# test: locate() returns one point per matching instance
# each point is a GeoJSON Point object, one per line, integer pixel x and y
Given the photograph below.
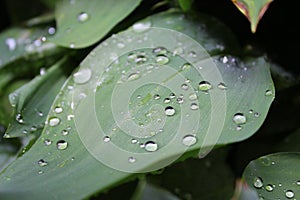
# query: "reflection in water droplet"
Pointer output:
{"type": "Point", "coordinates": [82, 17]}
{"type": "Point", "coordinates": [189, 140]}
{"type": "Point", "coordinates": [151, 146]}
{"type": "Point", "coordinates": [141, 26]}
{"type": "Point", "coordinates": [58, 109]}
{"type": "Point", "coordinates": [258, 182]}
{"type": "Point", "coordinates": [82, 76]}
{"type": "Point", "coordinates": [47, 142]}
{"type": "Point", "coordinates": [184, 86]}
{"type": "Point", "coordinates": [42, 163]}
{"type": "Point", "coordinates": [131, 159]}
{"type": "Point", "coordinates": [170, 111]}
{"type": "Point", "coordinates": [54, 121]}
{"type": "Point", "coordinates": [194, 106]}
{"type": "Point", "coordinates": [222, 86]}
{"type": "Point", "coordinates": [106, 139]}
{"type": "Point", "coordinates": [268, 92]}
{"type": "Point", "coordinates": [239, 118]}
{"type": "Point", "coordinates": [133, 76]}
{"type": "Point", "coordinates": [289, 194]}
{"type": "Point", "coordinates": [161, 60]}
{"type": "Point", "coordinates": [61, 144]}
{"type": "Point", "coordinates": [204, 86]}
{"type": "Point", "coordinates": [269, 188]}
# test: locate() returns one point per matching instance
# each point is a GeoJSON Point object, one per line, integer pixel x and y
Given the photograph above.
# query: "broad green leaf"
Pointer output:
{"type": "Point", "coordinates": [81, 24]}
{"type": "Point", "coordinates": [185, 4]}
{"type": "Point", "coordinates": [8, 151]}
{"type": "Point", "coordinates": [136, 70]}
{"type": "Point", "coordinates": [31, 102]}
{"type": "Point", "coordinates": [275, 176]}
{"type": "Point", "coordinates": [253, 10]}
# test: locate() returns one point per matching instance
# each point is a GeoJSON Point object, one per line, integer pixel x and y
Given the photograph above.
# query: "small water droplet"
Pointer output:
{"type": "Point", "coordinates": [204, 86]}
{"type": "Point", "coordinates": [151, 146]}
{"type": "Point", "coordinates": [131, 159]}
{"type": "Point", "coordinates": [186, 66]}
{"type": "Point", "coordinates": [47, 142]}
{"type": "Point", "coordinates": [51, 30]}
{"type": "Point", "coordinates": [61, 144]}
{"type": "Point", "coordinates": [58, 109]}
{"type": "Point", "coordinates": [156, 97]}
{"type": "Point", "coordinates": [289, 194]}
{"type": "Point", "coordinates": [11, 43]}
{"type": "Point", "coordinates": [83, 17]}
{"type": "Point", "coordinates": [222, 86]}
{"type": "Point", "coordinates": [269, 188]}
{"type": "Point", "coordinates": [162, 60]}
{"type": "Point", "coordinates": [178, 51]}
{"type": "Point", "coordinates": [258, 182]}
{"type": "Point", "coordinates": [43, 39]}
{"type": "Point", "coordinates": [42, 163]}
{"type": "Point", "coordinates": [140, 59]}
{"type": "Point", "coordinates": [239, 118]}
{"type": "Point", "coordinates": [167, 100]}
{"type": "Point", "coordinates": [64, 132]}
{"type": "Point", "coordinates": [19, 118]}
{"type": "Point", "coordinates": [141, 26]}
{"type": "Point", "coordinates": [40, 172]}
{"type": "Point", "coordinates": [251, 111]}
{"type": "Point", "coordinates": [72, 45]}
{"type": "Point", "coordinates": [193, 97]}
{"type": "Point", "coordinates": [160, 51]}
{"type": "Point", "coordinates": [224, 59]}
{"type": "Point", "coordinates": [194, 106]}
{"type": "Point", "coordinates": [42, 71]}
{"type": "Point", "coordinates": [298, 183]}
{"type": "Point", "coordinates": [33, 128]}
{"type": "Point", "coordinates": [268, 92]}
{"type": "Point", "coordinates": [172, 96]}
{"type": "Point", "coordinates": [238, 128]}
{"type": "Point", "coordinates": [180, 100]}
{"type": "Point", "coordinates": [192, 54]}
{"type": "Point", "coordinates": [133, 76]}
{"type": "Point", "coordinates": [184, 86]}
{"type": "Point", "coordinates": [189, 140]}
{"type": "Point", "coordinates": [54, 121]}
{"type": "Point", "coordinates": [256, 114]}
{"type": "Point", "coordinates": [70, 117]}
{"type": "Point", "coordinates": [170, 111]}
{"type": "Point", "coordinates": [106, 139]}
{"type": "Point", "coordinates": [82, 76]}
{"type": "Point", "coordinates": [121, 45]}
{"type": "Point", "coordinates": [134, 141]}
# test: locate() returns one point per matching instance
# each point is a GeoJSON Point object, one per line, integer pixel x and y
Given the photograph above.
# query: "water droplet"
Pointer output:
{"type": "Point", "coordinates": [193, 97]}
{"type": "Point", "coordinates": [160, 51]}
{"type": "Point", "coordinates": [167, 100]}
{"type": "Point", "coordinates": [189, 140]}
{"type": "Point", "coordinates": [33, 128]}
{"type": "Point", "coordinates": [82, 76]}
{"type": "Point", "coordinates": [64, 132]}
{"type": "Point", "coordinates": [51, 30]}
{"type": "Point", "coordinates": [43, 39]}
{"type": "Point", "coordinates": [170, 111]}
{"type": "Point", "coordinates": [58, 109]}
{"type": "Point", "coordinates": [19, 118]}
{"type": "Point", "coordinates": [204, 86]}
{"type": "Point", "coordinates": [106, 139]}
{"type": "Point", "coordinates": [172, 96]}
{"type": "Point", "coordinates": [61, 144]}
{"type": "Point", "coordinates": [194, 106]}
{"type": "Point", "coordinates": [180, 100]}
{"type": "Point", "coordinates": [133, 76]}
{"type": "Point", "coordinates": [258, 183]}
{"type": "Point", "coordinates": [289, 194]}
{"type": "Point", "coordinates": [224, 59]}
{"type": "Point", "coordinates": [121, 45]}
{"type": "Point", "coordinates": [161, 60]}
{"type": "Point", "coordinates": [42, 71]}
{"type": "Point", "coordinates": [239, 118]}
{"type": "Point", "coordinates": [141, 26]}
{"type": "Point", "coordinates": [42, 163]}
{"type": "Point", "coordinates": [70, 117]}
{"type": "Point", "coordinates": [184, 86]}
{"type": "Point", "coordinates": [298, 183]}
{"type": "Point", "coordinates": [72, 45]}
{"type": "Point", "coordinates": [178, 51]}
{"type": "Point", "coordinates": [186, 66]}
{"type": "Point", "coordinates": [134, 141]}
{"type": "Point", "coordinates": [192, 54]}
{"type": "Point", "coordinates": [269, 188]}
{"type": "Point", "coordinates": [156, 96]}
{"type": "Point", "coordinates": [40, 172]}
{"type": "Point", "coordinates": [131, 159]}
{"type": "Point", "coordinates": [268, 92]}
{"type": "Point", "coordinates": [256, 114]}
{"type": "Point", "coordinates": [47, 142]}
{"type": "Point", "coordinates": [151, 146]}
{"type": "Point", "coordinates": [11, 43]}
{"type": "Point", "coordinates": [238, 128]}
{"type": "Point", "coordinates": [140, 59]}
{"type": "Point", "coordinates": [83, 17]}
{"type": "Point", "coordinates": [251, 111]}
{"type": "Point", "coordinates": [222, 86]}
{"type": "Point", "coordinates": [54, 121]}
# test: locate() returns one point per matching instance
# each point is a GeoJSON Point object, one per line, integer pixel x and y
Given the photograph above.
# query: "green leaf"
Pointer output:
{"type": "Point", "coordinates": [81, 139]}
{"type": "Point", "coordinates": [253, 10]}
{"type": "Point", "coordinates": [8, 151]}
{"type": "Point", "coordinates": [185, 4]}
{"type": "Point", "coordinates": [31, 103]}
{"type": "Point", "coordinates": [81, 24]}
{"type": "Point", "coordinates": [275, 176]}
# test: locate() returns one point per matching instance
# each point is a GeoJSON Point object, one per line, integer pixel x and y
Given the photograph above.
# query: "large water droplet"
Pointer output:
{"type": "Point", "coordinates": [54, 121]}
{"type": "Point", "coordinates": [141, 26]}
{"type": "Point", "coordinates": [269, 188]}
{"type": "Point", "coordinates": [162, 60]}
{"type": "Point", "coordinates": [289, 194]}
{"type": "Point", "coordinates": [151, 146]}
{"type": "Point", "coordinates": [239, 118]}
{"type": "Point", "coordinates": [82, 76]}
{"type": "Point", "coordinates": [258, 182]}
{"type": "Point", "coordinates": [61, 144]}
{"type": "Point", "coordinates": [106, 139]}
{"type": "Point", "coordinates": [170, 111]}
{"type": "Point", "coordinates": [83, 17]}
{"type": "Point", "coordinates": [189, 140]}
{"type": "Point", "coordinates": [11, 43]}
{"type": "Point", "coordinates": [131, 159]}
{"type": "Point", "coordinates": [204, 86]}
{"type": "Point", "coordinates": [42, 163]}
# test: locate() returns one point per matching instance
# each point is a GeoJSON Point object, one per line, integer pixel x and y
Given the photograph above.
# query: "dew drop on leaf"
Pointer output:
{"type": "Point", "coordinates": [64, 132]}
{"type": "Point", "coordinates": [193, 97]}
{"type": "Point", "coordinates": [47, 142]}
{"type": "Point", "coordinates": [160, 51]}
{"type": "Point", "coordinates": [204, 86]}
{"type": "Point", "coordinates": [186, 66]}
{"type": "Point", "coordinates": [167, 100]}
{"type": "Point", "coordinates": [141, 26]}
{"type": "Point", "coordinates": [269, 188]}
{"type": "Point", "coordinates": [106, 139]}
{"type": "Point", "coordinates": [134, 141]}
{"type": "Point", "coordinates": [289, 194]}
{"type": "Point", "coordinates": [82, 76]}
{"type": "Point", "coordinates": [170, 111]}
{"type": "Point", "coordinates": [194, 106]}
{"type": "Point", "coordinates": [184, 86]}
{"type": "Point", "coordinates": [61, 144]}
{"type": "Point", "coordinates": [140, 59]}
{"type": "Point", "coordinates": [180, 100]}
{"type": "Point", "coordinates": [162, 60]}
{"type": "Point", "coordinates": [222, 86]}
{"type": "Point", "coordinates": [172, 96]}
{"type": "Point", "coordinates": [19, 118]}
{"type": "Point", "coordinates": [151, 146]}
{"type": "Point", "coordinates": [189, 140]}
{"type": "Point", "coordinates": [54, 121]}
{"type": "Point", "coordinates": [58, 109]}
{"type": "Point", "coordinates": [156, 97]}
{"type": "Point", "coordinates": [133, 76]}
{"type": "Point", "coordinates": [11, 44]}
{"type": "Point", "coordinates": [268, 92]}
{"type": "Point", "coordinates": [83, 17]}
{"type": "Point", "coordinates": [131, 159]}
{"type": "Point", "coordinates": [51, 30]}
{"type": "Point", "coordinates": [258, 182]}
{"type": "Point", "coordinates": [42, 163]}
{"type": "Point", "coordinates": [239, 118]}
